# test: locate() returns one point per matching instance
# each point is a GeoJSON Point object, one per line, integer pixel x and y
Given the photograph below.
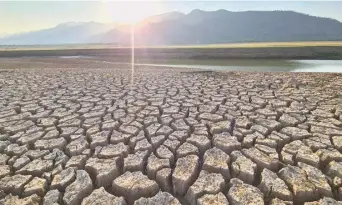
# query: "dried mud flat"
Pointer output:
{"type": "Point", "coordinates": [90, 136]}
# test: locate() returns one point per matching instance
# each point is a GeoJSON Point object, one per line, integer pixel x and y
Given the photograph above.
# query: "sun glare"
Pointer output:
{"type": "Point", "coordinates": [129, 12]}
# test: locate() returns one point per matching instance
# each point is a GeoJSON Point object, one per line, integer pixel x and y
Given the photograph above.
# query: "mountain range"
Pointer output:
{"type": "Point", "coordinates": [197, 27]}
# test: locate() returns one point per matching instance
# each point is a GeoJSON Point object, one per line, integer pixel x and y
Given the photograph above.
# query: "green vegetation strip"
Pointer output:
{"type": "Point", "coordinates": [228, 45]}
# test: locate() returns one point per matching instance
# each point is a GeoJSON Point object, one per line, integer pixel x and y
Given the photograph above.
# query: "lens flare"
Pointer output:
{"type": "Point", "coordinates": [132, 56]}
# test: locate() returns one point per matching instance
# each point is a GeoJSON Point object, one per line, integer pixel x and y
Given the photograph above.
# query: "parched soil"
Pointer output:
{"type": "Point", "coordinates": [95, 134]}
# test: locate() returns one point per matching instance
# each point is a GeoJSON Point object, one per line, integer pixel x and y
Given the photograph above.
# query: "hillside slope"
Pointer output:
{"type": "Point", "coordinates": [197, 27]}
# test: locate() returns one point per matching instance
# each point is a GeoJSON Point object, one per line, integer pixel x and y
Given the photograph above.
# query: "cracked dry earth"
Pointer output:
{"type": "Point", "coordinates": [88, 136]}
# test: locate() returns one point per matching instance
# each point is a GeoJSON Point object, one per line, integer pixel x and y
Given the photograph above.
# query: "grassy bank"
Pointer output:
{"type": "Point", "coordinates": [225, 45]}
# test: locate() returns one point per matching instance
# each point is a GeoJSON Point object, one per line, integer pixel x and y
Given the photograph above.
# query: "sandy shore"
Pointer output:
{"type": "Point", "coordinates": [80, 132]}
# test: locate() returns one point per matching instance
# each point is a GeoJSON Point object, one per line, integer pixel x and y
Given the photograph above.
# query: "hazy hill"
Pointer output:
{"type": "Point", "coordinates": [66, 33]}
{"type": "Point", "coordinates": [175, 15]}
{"type": "Point", "coordinates": [197, 27]}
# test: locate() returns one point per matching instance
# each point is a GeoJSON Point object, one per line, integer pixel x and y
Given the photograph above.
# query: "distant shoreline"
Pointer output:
{"type": "Point", "coordinates": [223, 45]}
{"type": "Point", "coordinates": [268, 50]}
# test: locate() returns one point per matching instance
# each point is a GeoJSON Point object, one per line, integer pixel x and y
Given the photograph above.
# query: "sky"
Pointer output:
{"type": "Point", "coordinates": [23, 16]}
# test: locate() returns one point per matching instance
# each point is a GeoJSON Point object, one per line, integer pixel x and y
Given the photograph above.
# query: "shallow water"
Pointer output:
{"type": "Point", "coordinates": [334, 66]}
{"type": "Point", "coordinates": [259, 65]}
{"type": "Point", "coordinates": [330, 66]}
{"type": "Point", "coordinates": [72, 57]}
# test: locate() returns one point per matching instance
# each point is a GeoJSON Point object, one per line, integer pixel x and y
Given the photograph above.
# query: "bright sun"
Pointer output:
{"type": "Point", "coordinates": [129, 12]}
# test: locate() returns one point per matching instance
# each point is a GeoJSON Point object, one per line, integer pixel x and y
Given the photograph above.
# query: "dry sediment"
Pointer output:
{"type": "Point", "coordinates": [170, 136]}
